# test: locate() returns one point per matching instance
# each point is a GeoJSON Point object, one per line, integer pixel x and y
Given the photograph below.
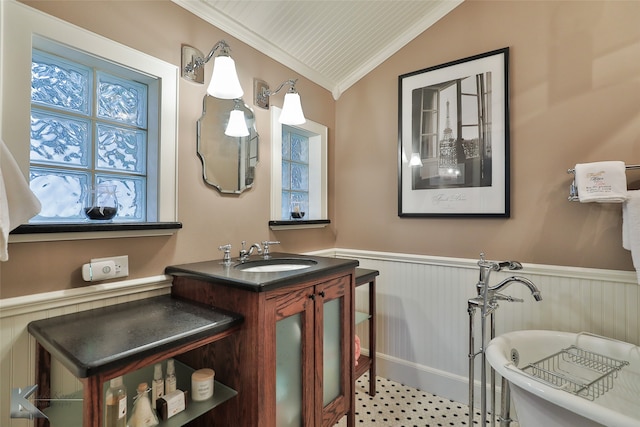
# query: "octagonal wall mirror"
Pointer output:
{"type": "Point", "coordinates": [228, 162]}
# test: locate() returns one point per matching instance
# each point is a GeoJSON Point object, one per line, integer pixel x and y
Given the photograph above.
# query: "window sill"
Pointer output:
{"type": "Point", "coordinates": [60, 231]}
{"type": "Point", "coordinates": [297, 224]}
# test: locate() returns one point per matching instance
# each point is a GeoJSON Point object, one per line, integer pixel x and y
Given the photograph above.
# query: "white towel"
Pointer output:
{"type": "Point", "coordinates": [603, 182]}
{"type": "Point", "coordinates": [17, 203]}
{"type": "Point", "coordinates": [631, 227]}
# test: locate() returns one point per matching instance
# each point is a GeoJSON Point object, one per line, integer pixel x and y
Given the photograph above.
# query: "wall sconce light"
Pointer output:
{"type": "Point", "coordinates": [291, 108]}
{"type": "Point", "coordinates": [224, 79]}
{"type": "Point", "coordinates": [237, 125]}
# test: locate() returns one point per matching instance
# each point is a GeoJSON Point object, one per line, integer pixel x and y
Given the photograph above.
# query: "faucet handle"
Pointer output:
{"type": "Point", "coordinates": [265, 248]}
{"type": "Point", "coordinates": [226, 258]}
{"type": "Point", "coordinates": [508, 298]}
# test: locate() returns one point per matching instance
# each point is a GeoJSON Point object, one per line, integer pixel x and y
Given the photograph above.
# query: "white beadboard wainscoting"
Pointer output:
{"type": "Point", "coordinates": [18, 347]}
{"type": "Point", "coordinates": [423, 324]}
{"type": "Point", "coordinates": [422, 319]}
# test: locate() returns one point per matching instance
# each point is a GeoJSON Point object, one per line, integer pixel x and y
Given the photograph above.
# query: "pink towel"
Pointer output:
{"type": "Point", "coordinates": [357, 349]}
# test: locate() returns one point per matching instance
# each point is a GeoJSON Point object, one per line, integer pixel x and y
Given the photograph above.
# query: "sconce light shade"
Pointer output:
{"type": "Point", "coordinates": [415, 160]}
{"type": "Point", "coordinates": [224, 80]}
{"type": "Point", "coordinates": [292, 110]}
{"type": "Point", "coordinates": [237, 125]}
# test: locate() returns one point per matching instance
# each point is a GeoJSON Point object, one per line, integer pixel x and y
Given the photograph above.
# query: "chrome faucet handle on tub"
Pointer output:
{"type": "Point", "coordinates": [226, 258]}
{"type": "Point", "coordinates": [265, 248]}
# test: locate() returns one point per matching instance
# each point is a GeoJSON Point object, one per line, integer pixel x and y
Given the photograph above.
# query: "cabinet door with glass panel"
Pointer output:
{"type": "Point", "coordinates": [311, 328]}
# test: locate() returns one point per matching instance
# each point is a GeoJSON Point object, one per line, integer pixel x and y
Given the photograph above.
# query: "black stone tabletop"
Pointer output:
{"type": "Point", "coordinates": [98, 340]}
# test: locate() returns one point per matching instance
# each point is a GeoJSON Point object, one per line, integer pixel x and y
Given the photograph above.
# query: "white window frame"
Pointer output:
{"type": "Point", "coordinates": [20, 25]}
{"type": "Point", "coordinates": [318, 175]}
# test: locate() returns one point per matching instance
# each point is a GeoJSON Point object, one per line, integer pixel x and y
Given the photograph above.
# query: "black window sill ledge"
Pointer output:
{"type": "Point", "coordinates": [93, 227]}
{"type": "Point", "coordinates": [298, 224]}
{"type": "Point", "coordinates": [90, 231]}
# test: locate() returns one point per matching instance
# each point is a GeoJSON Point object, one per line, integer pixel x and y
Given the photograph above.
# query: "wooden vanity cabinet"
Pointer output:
{"type": "Point", "coordinates": [257, 360]}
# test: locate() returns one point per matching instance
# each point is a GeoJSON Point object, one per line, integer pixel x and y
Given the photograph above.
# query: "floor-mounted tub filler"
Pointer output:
{"type": "Point", "coordinates": [487, 302]}
{"type": "Point", "coordinates": [567, 379]}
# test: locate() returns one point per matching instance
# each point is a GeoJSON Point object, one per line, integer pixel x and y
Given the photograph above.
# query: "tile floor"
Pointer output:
{"type": "Point", "coordinates": [396, 405]}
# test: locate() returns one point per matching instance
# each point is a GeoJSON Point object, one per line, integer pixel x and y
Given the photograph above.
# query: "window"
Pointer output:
{"type": "Point", "coordinates": [151, 137]}
{"type": "Point", "coordinates": [295, 174]}
{"type": "Point", "coordinates": [298, 174]}
{"type": "Point", "coordinates": [88, 127]}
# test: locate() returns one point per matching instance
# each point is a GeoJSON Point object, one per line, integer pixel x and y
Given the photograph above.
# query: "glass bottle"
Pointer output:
{"type": "Point", "coordinates": [116, 404]}
{"type": "Point", "coordinates": [142, 415]}
{"type": "Point", "coordinates": [170, 381]}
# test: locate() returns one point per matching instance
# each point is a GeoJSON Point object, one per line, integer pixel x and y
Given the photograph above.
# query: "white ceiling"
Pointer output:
{"type": "Point", "coordinates": [333, 43]}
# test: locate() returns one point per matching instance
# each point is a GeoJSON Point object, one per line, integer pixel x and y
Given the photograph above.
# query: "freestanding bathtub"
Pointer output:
{"type": "Point", "coordinates": [609, 396]}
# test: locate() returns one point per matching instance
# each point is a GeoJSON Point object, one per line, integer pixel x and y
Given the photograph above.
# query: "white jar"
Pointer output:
{"type": "Point", "coordinates": [202, 384]}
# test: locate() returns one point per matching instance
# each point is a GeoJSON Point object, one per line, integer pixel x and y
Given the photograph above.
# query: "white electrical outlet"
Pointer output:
{"type": "Point", "coordinates": [121, 262]}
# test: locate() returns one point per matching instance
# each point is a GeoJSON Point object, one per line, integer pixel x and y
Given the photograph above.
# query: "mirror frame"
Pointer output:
{"type": "Point", "coordinates": [223, 157]}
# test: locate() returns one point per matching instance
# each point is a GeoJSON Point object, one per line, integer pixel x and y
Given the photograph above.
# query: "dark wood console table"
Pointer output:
{"type": "Point", "coordinates": [119, 340]}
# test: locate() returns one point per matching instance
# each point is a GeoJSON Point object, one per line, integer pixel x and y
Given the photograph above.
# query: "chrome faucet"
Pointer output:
{"type": "Point", "coordinates": [244, 254]}
{"type": "Point", "coordinates": [513, 279]}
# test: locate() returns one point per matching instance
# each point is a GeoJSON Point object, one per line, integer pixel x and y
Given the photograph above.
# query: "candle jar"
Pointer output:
{"type": "Point", "coordinates": [101, 203]}
{"type": "Point", "coordinates": [297, 210]}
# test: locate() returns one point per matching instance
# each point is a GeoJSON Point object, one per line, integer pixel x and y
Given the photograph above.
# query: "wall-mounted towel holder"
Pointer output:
{"type": "Point", "coordinates": [573, 189]}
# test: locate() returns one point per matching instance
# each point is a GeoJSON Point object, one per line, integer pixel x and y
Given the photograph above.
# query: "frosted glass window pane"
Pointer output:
{"type": "Point", "coordinates": [286, 205]}
{"type": "Point", "coordinates": [56, 139]}
{"type": "Point", "coordinates": [286, 145]}
{"type": "Point", "coordinates": [289, 372]}
{"type": "Point", "coordinates": [122, 100]}
{"type": "Point", "coordinates": [121, 149]}
{"type": "Point", "coordinates": [299, 177]}
{"type": "Point", "coordinates": [130, 194]}
{"type": "Point", "coordinates": [332, 354]}
{"type": "Point", "coordinates": [286, 175]}
{"type": "Point", "coordinates": [59, 83]}
{"type": "Point", "coordinates": [60, 193]}
{"type": "Point", "coordinates": [299, 148]}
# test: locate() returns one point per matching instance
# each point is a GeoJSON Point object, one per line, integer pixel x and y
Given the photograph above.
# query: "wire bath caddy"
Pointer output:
{"type": "Point", "coordinates": [581, 372]}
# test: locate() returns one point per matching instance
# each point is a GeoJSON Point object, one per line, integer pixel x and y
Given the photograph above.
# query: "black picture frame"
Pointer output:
{"type": "Point", "coordinates": [453, 121]}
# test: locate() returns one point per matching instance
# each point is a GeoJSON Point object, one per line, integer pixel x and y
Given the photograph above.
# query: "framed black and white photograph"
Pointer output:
{"type": "Point", "coordinates": [453, 148]}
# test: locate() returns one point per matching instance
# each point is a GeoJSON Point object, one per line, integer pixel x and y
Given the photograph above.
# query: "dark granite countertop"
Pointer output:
{"type": "Point", "coordinates": [94, 341]}
{"type": "Point", "coordinates": [216, 272]}
{"type": "Point", "coordinates": [364, 275]}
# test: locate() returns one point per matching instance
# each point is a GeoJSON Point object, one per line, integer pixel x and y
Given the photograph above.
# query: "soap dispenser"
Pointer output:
{"type": "Point", "coordinates": [157, 386]}
{"type": "Point", "coordinates": [170, 382]}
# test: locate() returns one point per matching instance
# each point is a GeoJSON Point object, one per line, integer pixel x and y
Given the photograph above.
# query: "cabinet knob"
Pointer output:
{"type": "Point", "coordinates": [321, 293]}
{"type": "Point", "coordinates": [312, 296]}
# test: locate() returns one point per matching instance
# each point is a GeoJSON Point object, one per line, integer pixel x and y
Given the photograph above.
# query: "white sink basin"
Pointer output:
{"type": "Point", "coordinates": [274, 268]}
{"type": "Point", "coordinates": [275, 265]}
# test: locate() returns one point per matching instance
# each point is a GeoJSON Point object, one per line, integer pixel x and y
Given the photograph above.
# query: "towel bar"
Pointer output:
{"type": "Point", "coordinates": [573, 189]}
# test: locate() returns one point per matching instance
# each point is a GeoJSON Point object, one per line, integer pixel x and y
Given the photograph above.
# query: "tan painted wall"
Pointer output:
{"type": "Point", "coordinates": [209, 219]}
{"type": "Point", "coordinates": [575, 85]}
{"type": "Point", "coordinates": [575, 97]}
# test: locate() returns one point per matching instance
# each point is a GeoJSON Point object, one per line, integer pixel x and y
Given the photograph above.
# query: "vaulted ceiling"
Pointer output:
{"type": "Point", "coordinates": [332, 43]}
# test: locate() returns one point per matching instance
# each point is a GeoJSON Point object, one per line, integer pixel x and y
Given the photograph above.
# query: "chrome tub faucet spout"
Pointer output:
{"type": "Point", "coordinates": [517, 279]}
